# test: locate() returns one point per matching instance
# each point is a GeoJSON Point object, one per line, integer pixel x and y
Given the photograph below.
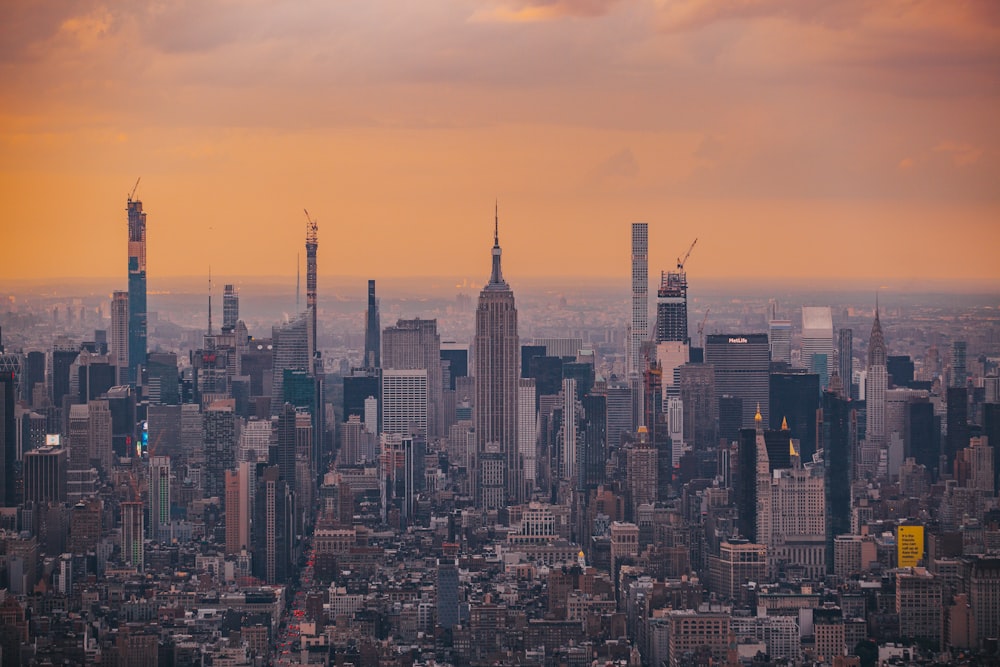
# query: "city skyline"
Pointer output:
{"type": "Point", "coordinates": [581, 117]}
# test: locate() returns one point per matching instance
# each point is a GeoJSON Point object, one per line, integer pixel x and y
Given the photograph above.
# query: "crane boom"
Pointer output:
{"type": "Point", "coordinates": [312, 228]}
{"type": "Point", "coordinates": [701, 328]}
{"type": "Point", "coordinates": [682, 262]}
{"type": "Point", "coordinates": [135, 187]}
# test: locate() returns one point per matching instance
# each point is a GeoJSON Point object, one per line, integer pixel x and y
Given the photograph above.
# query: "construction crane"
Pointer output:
{"type": "Point", "coordinates": [681, 262]}
{"type": "Point", "coordinates": [135, 187]}
{"type": "Point", "coordinates": [312, 229]}
{"type": "Point", "coordinates": [701, 325]}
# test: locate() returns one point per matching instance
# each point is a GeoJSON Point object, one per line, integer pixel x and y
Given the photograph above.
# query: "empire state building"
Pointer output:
{"type": "Point", "coordinates": [499, 474]}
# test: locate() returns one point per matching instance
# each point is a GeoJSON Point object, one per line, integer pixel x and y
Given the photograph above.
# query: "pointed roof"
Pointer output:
{"type": "Point", "coordinates": [757, 418]}
{"type": "Point", "coordinates": [496, 275]}
{"type": "Point", "coordinates": [876, 342]}
{"type": "Point", "coordinates": [784, 423]}
{"type": "Point", "coordinates": [791, 448]}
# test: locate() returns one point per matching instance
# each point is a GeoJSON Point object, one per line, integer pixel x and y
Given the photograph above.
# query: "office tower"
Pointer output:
{"type": "Point", "coordinates": [291, 352]}
{"type": "Point", "coordinates": [164, 381]}
{"type": "Point", "coordinates": [739, 562]}
{"type": "Point", "coordinates": [34, 377]}
{"type": "Point", "coordinates": [527, 431]}
{"type": "Point", "coordinates": [639, 331]}
{"type": "Point", "coordinates": [238, 508]}
{"type": "Point", "coordinates": [817, 339]}
{"type": "Point", "coordinates": [671, 307]}
{"type": "Point", "coordinates": [641, 472]}
{"type": "Point", "coordinates": [780, 340]}
{"type": "Point", "coordinates": [619, 402]}
{"type": "Point", "coordinates": [496, 372]}
{"type": "Point", "coordinates": [593, 461]}
{"type": "Point", "coordinates": [922, 439]}
{"type": "Point", "coordinates": [876, 384]}
{"type": "Point", "coordinates": [416, 345]}
{"type": "Point", "coordinates": [119, 334]}
{"type": "Point", "coordinates": [697, 393]}
{"type": "Point", "coordinates": [100, 424]}
{"type": "Point", "coordinates": [959, 372]}
{"type": "Point", "coordinates": [838, 432]}
{"type": "Point", "coordinates": [456, 355]}
{"type": "Point", "coordinates": [447, 593]}
{"type": "Point", "coordinates": [919, 603]}
{"type": "Point", "coordinates": [730, 417]}
{"type": "Point", "coordinates": [255, 442]}
{"type": "Point", "coordinates": [742, 366]}
{"type": "Point", "coordinates": [8, 447]}
{"type": "Point", "coordinates": [159, 498]}
{"type": "Point", "coordinates": [45, 475]}
{"type": "Point", "coordinates": [361, 384]}
{"type": "Point", "coordinates": [798, 520]}
{"type": "Point", "coordinates": [373, 330]}
{"type": "Point", "coordinates": [64, 353]}
{"type": "Point", "coordinates": [357, 444]}
{"type": "Point", "coordinates": [284, 451]}
{"type": "Point", "coordinates": [974, 467]}
{"type": "Point", "coordinates": [273, 526]}
{"type": "Point", "coordinates": [957, 429]}
{"type": "Point", "coordinates": [763, 525]}
{"type": "Point", "coordinates": [900, 369]}
{"type": "Point", "coordinates": [95, 375]}
{"type": "Point", "coordinates": [984, 597]}
{"type": "Point", "coordinates": [529, 352]}
{"type": "Point", "coordinates": [219, 433]}
{"type": "Point", "coordinates": [404, 402]}
{"type": "Point", "coordinates": [133, 534]}
{"type": "Point", "coordinates": [547, 373]}
{"type": "Point", "coordinates": [845, 360]}
{"type": "Point", "coordinates": [570, 427]}
{"type": "Point", "coordinates": [794, 400]}
{"type": "Point", "coordinates": [991, 429]}
{"type": "Point", "coordinates": [136, 287]}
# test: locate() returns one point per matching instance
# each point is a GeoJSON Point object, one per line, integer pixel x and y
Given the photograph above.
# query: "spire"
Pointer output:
{"type": "Point", "coordinates": [876, 343]}
{"type": "Point", "coordinates": [784, 423]}
{"type": "Point", "coordinates": [757, 418]}
{"type": "Point", "coordinates": [496, 276]}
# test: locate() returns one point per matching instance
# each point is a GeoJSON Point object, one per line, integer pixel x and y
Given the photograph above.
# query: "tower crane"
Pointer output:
{"type": "Point", "coordinates": [701, 326]}
{"type": "Point", "coordinates": [135, 187]}
{"type": "Point", "coordinates": [682, 262]}
{"type": "Point", "coordinates": [312, 229]}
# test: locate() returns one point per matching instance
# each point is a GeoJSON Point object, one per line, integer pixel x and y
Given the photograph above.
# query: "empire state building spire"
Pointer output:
{"type": "Point", "coordinates": [496, 275]}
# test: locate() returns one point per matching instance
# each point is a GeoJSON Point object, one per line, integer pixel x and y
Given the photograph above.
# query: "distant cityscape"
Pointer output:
{"type": "Point", "coordinates": [645, 472]}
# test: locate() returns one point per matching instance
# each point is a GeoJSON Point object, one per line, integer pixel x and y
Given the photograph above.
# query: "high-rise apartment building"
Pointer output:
{"type": "Point", "coordinates": [495, 404]}
{"type": "Point", "coordinates": [136, 287]}
{"type": "Point", "coordinates": [230, 307]}
{"type": "Point", "coordinates": [133, 534]}
{"type": "Point", "coordinates": [238, 508]}
{"type": "Point", "coordinates": [671, 307]}
{"type": "Point", "coordinates": [845, 360]}
{"type": "Point", "coordinates": [959, 367]}
{"type": "Point", "coordinates": [639, 331]}
{"type": "Point", "coordinates": [119, 338]}
{"type": "Point", "coordinates": [219, 434]}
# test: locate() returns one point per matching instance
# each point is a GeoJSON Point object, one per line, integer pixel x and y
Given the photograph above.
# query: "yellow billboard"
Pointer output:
{"type": "Point", "coordinates": [909, 545]}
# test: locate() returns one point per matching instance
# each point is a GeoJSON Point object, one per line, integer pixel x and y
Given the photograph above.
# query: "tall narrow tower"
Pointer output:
{"type": "Point", "coordinates": [496, 368]}
{"type": "Point", "coordinates": [639, 331]}
{"type": "Point", "coordinates": [876, 384]}
{"type": "Point", "coordinates": [372, 331]}
{"type": "Point", "coordinates": [312, 243]}
{"type": "Point", "coordinates": [136, 286]}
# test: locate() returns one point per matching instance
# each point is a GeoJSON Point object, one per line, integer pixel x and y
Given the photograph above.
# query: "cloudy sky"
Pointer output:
{"type": "Point", "coordinates": [794, 138]}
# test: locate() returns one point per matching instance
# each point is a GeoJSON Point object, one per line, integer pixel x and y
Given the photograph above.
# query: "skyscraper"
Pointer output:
{"type": "Point", "coordinates": [119, 334]}
{"type": "Point", "coordinates": [8, 444]}
{"type": "Point", "coordinates": [291, 351]}
{"type": "Point", "coordinates": [959, 369]}
{"type": "Point", "coordinates": [741, 363]}
{"type": "Point", "coordinates": [817, 339]}
{"type": "Point", "coordinates": [496, 360]}
{"type": "Point", "coordinates": [527, 430]}
{"type": "Point", "coordinates": [136, 287]}
{"type": "Point", "coordinates": [159, 497]}
{"type": "Point", "coordinates": [845, 360]}
{"type": "Point", "coordinates": [876, 384]}
{"type": "Point", "coordinates": [671, 307]}
{"type": "Point", "coordinates": [312, 243]}
{"type": "Point", "coordinates": [416, 345]}
{"type": "Point", "coordinates": [372, 331]}
{"type": "Point", "coordinates": [230, 307]}
{"type": "Point", "coordinates": [133, 534]}
{"type": "Point", "coordinates": [639, 331]}
{"type": "Point", "coordinates": [404, 401]}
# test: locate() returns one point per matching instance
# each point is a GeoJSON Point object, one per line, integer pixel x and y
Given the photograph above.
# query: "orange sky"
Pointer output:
{"type": "Point", "coordinates": [797, 138]}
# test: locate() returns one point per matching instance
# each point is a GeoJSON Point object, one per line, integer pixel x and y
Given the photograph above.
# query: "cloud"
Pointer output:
{"type": "Point", "coordinates": [962, 154]}
{"type": "Point", "coordinates": [531, 11]}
